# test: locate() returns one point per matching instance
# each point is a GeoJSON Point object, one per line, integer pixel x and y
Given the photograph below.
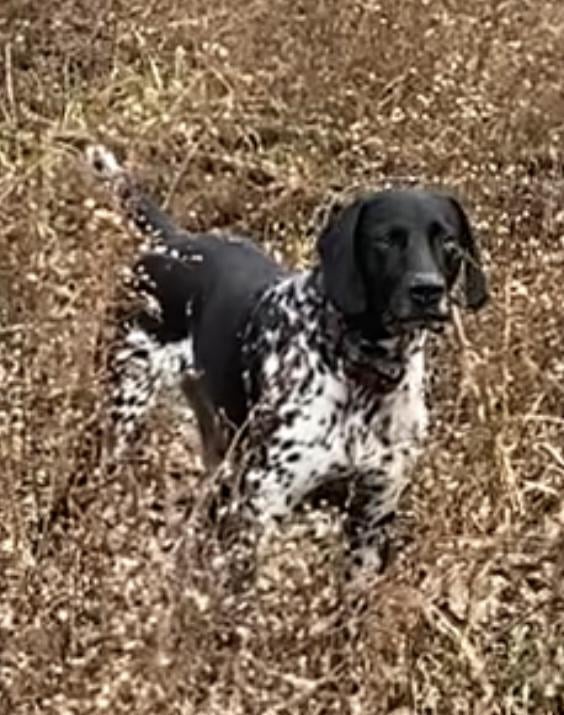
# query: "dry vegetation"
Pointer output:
{"type": "Point", "coordinates": [251, 115]}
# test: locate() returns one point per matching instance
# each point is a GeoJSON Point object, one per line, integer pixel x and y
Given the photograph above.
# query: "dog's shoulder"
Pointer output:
{"type": "Point", "coordinates": [280, 341]}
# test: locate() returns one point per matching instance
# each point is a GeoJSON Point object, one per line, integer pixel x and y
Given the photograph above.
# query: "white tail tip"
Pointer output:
{"type": "Point", "coordinates": [103, 162]}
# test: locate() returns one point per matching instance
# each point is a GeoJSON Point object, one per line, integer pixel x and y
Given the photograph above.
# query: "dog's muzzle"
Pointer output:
{"type": "Point", "coordinates": [426, 292]}
{"type": "Point", "coordinates": [421, 303]}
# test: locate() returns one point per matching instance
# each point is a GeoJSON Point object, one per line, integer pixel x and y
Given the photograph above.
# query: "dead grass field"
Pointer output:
{"type": "Point", "coordinates": [251, 115]}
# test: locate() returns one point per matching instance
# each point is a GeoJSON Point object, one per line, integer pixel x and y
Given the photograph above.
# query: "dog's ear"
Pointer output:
{"type": "Point", "coordinates": [337, 249]}
{"type": "Point", "coordinates": [475, 282]}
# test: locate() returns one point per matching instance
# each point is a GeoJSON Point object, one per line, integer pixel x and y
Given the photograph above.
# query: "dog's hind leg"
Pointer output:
{"type": "Point", "coordinates": [155, 348]}
{"type": "Point", "coordinates": [214, 435]}
{"type": "Point", "coordinates": [140, 370]}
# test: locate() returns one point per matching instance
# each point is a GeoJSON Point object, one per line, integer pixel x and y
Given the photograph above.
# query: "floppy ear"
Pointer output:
{"type": "Point", "coordinates": [341, 276]}
{"type": "Point", "coordinates": [475, 283]}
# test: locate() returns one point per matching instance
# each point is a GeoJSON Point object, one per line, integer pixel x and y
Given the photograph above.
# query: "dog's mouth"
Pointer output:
{"type": "Point", "coordinates": [433, 321]}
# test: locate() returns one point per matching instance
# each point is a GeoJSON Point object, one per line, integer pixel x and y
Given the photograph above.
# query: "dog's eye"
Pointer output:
{"type": "Point", "coordinates": [393, 237]}
{"type": "Point", "coordinates": [449, 243]}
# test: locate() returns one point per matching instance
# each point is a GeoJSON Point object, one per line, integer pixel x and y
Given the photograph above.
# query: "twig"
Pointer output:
{"type": "Point", "coordinates": [10, 93]}
{"type": "Point", "coordinates": [553, 452]}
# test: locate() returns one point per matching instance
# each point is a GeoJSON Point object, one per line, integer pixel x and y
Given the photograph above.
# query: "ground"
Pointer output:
{"type": "Point", "coordinates": [252, 115]}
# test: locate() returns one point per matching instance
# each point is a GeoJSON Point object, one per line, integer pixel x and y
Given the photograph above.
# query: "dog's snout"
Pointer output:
{"type": "Point", "coordinates": [426, 289]}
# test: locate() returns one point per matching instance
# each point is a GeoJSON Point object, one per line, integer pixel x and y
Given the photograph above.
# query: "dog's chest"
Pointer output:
{"type": "Point", "coordinates": [383, 431]}
{"type": "Point", "coordinates": [332, 427]}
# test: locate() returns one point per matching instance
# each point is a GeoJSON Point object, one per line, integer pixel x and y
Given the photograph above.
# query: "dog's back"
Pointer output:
{"type": "Point", "coordinates": [206, 286]}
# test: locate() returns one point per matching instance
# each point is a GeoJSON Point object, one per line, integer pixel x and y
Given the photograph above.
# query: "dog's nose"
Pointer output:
{"type": "Point", "coordinates": [426, 289]}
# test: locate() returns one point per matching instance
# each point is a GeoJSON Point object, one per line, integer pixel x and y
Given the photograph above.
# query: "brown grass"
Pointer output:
{"type": "Point", "coordinates": [251, 115]}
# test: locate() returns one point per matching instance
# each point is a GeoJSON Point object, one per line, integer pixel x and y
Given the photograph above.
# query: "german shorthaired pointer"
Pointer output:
{"type": "Point", "coordinates": [322, 370]}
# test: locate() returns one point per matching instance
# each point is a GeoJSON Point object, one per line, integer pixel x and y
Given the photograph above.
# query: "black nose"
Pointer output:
{"type": "Point", "coordinates": [426, 290]}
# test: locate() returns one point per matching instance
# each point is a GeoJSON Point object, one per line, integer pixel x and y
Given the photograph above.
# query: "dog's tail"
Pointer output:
{"type": "Point", "coordinates": [141, 211]}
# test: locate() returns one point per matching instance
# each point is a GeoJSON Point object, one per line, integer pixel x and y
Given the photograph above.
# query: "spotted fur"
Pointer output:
{"type": "Point", "coordinates": [323, 413]}
{"type": "Point", "coordinates": [325, 408]}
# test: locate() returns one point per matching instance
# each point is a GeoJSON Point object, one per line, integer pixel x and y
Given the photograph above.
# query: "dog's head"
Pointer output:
{"type": "Point", "coordinates": [390, 259]}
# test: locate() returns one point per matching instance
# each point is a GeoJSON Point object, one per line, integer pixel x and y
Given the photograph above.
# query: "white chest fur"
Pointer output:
{"type": "Point", "coordinates": [382, 434]}
{"type": "Point", "coordinates": [386, 451]}
{"type": "Point", "coordinates": [333, 428]}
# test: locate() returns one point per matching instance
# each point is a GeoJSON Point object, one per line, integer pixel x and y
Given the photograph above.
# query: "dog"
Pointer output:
{"type": "Point", "coordinates": [323, 370]}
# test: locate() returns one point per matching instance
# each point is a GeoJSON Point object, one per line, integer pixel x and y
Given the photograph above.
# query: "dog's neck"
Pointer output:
{"type": "Point", "coordinates": [377, 360]}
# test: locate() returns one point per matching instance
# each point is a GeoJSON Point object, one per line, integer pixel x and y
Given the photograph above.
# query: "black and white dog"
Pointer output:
{"type": "Point", "coordinates": [323, 370]}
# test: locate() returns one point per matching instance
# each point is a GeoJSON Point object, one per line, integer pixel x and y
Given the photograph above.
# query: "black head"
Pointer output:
{"type": "Point", "coordinates": [389, 260]}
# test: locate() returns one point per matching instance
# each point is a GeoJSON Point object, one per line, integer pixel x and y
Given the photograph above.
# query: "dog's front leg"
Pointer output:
{"type": "Point", "coordinates": [280, 482]}
{"type": "Point", "coordinates": [270, 495]}
{"type": "Point", "coordinates": [370, 523]}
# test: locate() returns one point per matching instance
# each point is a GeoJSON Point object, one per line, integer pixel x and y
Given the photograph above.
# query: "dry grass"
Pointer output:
{"type": "Point", "coordinates": [251, 115]}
